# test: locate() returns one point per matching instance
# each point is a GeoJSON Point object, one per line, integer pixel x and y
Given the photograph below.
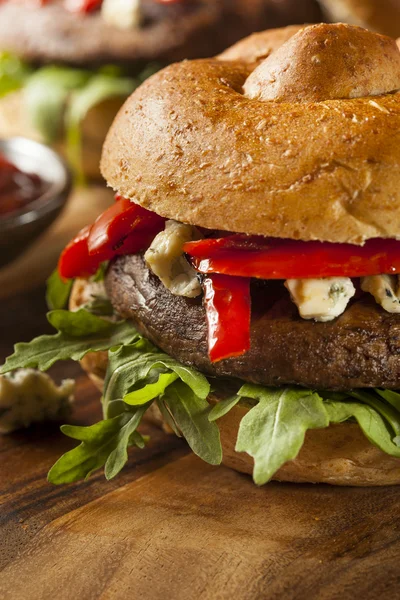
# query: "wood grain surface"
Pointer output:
{"type": "Point", "coordinates": [172, 527]}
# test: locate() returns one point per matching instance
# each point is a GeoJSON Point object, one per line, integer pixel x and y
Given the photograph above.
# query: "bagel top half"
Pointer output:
{"type": "Point", "coordinates": [292, 133]}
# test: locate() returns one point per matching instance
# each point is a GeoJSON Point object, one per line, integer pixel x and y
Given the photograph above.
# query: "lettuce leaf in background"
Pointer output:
{"type": "Point", "coordinates": [99, 88]}
{"type": "Point", "coordinates": [58, 98]}
{"type": "Point", "coordinates": [46, 95]}
{"type": "Point", "coordinates": [13, 73]}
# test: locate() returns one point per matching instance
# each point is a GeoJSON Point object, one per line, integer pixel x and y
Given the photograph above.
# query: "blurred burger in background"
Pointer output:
{"type": "Point", "coordinates": [66, 66]}
{"type": "Point", "coordinates": [382, 16]}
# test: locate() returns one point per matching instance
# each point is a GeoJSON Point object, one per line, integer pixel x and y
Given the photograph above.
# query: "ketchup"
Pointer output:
{"type": "Point", "coordinates": [17, 188]}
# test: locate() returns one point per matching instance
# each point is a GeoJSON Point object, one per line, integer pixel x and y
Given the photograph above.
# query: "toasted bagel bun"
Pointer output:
{"type": "Point", "coordinates": [15, 121]}
{"type": "Point", "coordinates": [382, 16]}
{"type": "Point", "coordinates": [303, 145]}
{"type": "Point", "coordinates": [339, 454]}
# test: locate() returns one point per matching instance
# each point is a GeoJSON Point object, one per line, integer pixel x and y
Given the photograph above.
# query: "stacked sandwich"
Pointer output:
{"type": "Point", "coordinates": [243, 289]}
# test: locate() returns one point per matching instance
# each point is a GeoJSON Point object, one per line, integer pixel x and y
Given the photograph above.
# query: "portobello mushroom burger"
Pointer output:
{"type": "Point", "coordinates": [243, 289]}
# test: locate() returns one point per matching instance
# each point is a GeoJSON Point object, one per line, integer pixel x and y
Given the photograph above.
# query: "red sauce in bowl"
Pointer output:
{"type": "Point", "coordinates": [17, 188]}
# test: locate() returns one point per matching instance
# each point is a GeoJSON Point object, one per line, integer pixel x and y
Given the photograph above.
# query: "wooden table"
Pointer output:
{"type": "Point", "coordinates": [171, 527]}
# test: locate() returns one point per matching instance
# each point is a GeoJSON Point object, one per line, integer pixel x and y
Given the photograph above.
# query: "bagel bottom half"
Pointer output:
{"type": "Point", "coordinates": [339, 454]}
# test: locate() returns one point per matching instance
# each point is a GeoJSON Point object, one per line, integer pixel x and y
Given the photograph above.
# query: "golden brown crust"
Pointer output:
{"type": "Point", "coordinates": [205, 154]}
{"type": "Point", "coordinates": [382, 16]}
{"type": "Point", "coordinates": [15, 121]}
{"type": "Point", "coordinates": [339, 454]}
{"type": "Point", "coordinates": [318, 64]}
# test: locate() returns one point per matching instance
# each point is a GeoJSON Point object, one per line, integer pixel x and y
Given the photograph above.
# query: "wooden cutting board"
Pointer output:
{"type": "Point", "coordinates": [172, 527]}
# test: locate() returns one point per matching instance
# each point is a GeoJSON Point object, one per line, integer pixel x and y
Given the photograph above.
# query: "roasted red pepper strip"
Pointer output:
{"type": "Point", "coordinates": [227, 304]}
{"type": "Point", "coordinates": [117, 222]}
{"type": "Point", "coordinates": [274, 258]}
{"type": "Point", "coordinates": [75, 260]}
{"type": "Point", "coordinates": [124, 228]}
{"type": "Point", "coordinates": [83, 6]}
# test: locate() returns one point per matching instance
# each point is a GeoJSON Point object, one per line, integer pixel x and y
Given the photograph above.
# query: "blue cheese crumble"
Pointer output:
{"type": "Point", "coordinates": [28, 396]}
{"type": "Point", "coordinates": [321, 299]}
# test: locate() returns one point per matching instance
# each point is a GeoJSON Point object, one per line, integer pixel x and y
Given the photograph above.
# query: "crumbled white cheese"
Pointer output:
{"type": "Point", "coordinates": [321, 299]}
{"type": "Point", "coordinates": [385, 289]}
{"type": "Point", "coordinates": [28, 396]}
{"type": "Point", "coordinates": [165, 258]}
{"type": "Point", "coordinates": [124, 14]}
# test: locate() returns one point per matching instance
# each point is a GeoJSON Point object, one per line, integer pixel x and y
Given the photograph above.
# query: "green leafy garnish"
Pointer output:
{"type": "Point", "coordinates": [390, 396]}
{"type": "Point", "coordinates": [373, 425]}
{"type": "Point", "coordinates": [273, 431]}
{"type": "Point", "coordinates": [101, 272]}
{"type": "Point", "coordinates": [99, 305]}
{"type": "Point", "coordinates": [137, 368]}
{"type": "Point", "coordinates": [151, 390]}
{"type": "Point", "coordinates": [78, 333]}
{"type": "Point", "coordinates": [57, 291]}
{"type": "Point", "coordinates": [190, 413]}
{"type": "Point", "coordinates": [223, 407]}
{"type": "Point", "coordinates": [138, 374]}
{"type": "Point", "coordinates": [104, 443]}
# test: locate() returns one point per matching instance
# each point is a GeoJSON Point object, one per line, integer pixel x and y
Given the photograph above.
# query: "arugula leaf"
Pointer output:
{"type": "Point", "coordinates": [223, 407]}
{"type": "Point", "coordinates": [104, 443]}
{"type": "Point", "coordinates": [101, 272]}
{"type": "Point", "coordinates": [126, 437]}
{"type": "Point", "coordinates": [129, 368]}
{"type": "Point", "coordinates": [79, 323]}
{"type": "Point", "coordinates": [371, 422]}
{"type": "Point", "coordinates": [166, 415]}
{"type": "Point", "coordinates": [151, 390]}
{"type": "Point", "coordinates": [57, 291]}
{"type": "Point", "coordinates": [44, 351]}
{"type": "Point", "coordinates": [383, 408]}
{"type": "Point", "coordinates": [390, 396]}
{"type": "Point", "coordinates": [99, 305]}
{"type": "Point", "coordinates": [273, 431]}
{"type": "Point", "coordinates": [190, 413]}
